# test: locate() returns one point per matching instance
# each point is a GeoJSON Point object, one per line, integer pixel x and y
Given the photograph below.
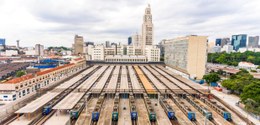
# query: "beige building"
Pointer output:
{"type": "Point", "coordinates": [152, 53]}
{"type": "Point", "coordinates": [187, 54]}
{"type": "Point", "coordinates": [147, 28]}
{"type": "Point", "coordinates": [136, 40]}
{"type": "Point", "coordinates": [78, 45]}
{"type": "Point", "coordinates": [98, 53]}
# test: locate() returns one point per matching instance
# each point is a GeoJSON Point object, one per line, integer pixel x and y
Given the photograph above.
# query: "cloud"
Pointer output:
{"type": "Point", "coordinates": [44, 21]}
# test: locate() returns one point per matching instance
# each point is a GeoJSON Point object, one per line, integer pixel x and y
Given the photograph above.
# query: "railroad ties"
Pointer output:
{"type": "Point", "coordinates": [47, 111]}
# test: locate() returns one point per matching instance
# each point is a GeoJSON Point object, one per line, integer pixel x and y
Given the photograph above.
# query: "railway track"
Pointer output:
{"type": "Point", "coordinates": [97, 110]}
{"type": "Point", "coordinates": [43, 118]}
{"type": "Point", "coordinates": [216, 98]}
{"type": "Point", "coordinates": [184, 109]}
{"type": "Point", "coordinates": [13, 116]}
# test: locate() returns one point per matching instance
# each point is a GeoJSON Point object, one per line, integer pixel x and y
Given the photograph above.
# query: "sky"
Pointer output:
{"type": "Point", "coordinates": [55, 22]}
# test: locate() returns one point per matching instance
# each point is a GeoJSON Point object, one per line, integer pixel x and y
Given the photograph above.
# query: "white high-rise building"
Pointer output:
{"type": "Point", "coordinates": [147, 27]}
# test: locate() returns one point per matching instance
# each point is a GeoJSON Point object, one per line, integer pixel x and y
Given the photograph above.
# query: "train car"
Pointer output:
{"type": "Point", "coordinates": [152, 116]}
{"type": "Point", "coordinates": [167, 109]}
{"type": "Point", "coordinates": [115, 113]}
{"type": "Point", "coordinates": [191, 116]}
{"type": "Point", "coordinates": [46, 110]}
{"type": "Point", "coordinates": [200, 108]}
{"type": "Point", "coordinates": [95, 116]}
{"type": "Point", "coordinates": [220, 110]}
{"type": "Point", "coordinates": [75, 112]}
{"type": "Point", "coordinates": [96, 112]}
{"type": "Point", "coordinates": [227, 116]}
{"type": "Point", "coordinates": [134, 115]}
{"type": "Point", "coordinates": [133, 112]}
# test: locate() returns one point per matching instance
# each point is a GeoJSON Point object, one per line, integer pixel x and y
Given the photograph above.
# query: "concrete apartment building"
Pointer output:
{"type": "Point", "coordinates": [187, 55]}
{"type": "Point", "coordinates": [39, 50]}
{"type": "Point", "coordinates": [78, 44]}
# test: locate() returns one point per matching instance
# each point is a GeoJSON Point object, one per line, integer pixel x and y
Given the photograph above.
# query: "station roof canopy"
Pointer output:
{"type": "Point", "coordinates": [38, 103]}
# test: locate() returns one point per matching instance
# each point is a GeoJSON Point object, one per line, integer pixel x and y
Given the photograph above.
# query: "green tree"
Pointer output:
{"type": "Point", "coordinates": [20, 73]}
{"type": "Point", "coordinates": [212, 77]}
{"type": "Point", "coordinates": [228, 83]}
{"type": "Point", "coordinates": [251, 91]}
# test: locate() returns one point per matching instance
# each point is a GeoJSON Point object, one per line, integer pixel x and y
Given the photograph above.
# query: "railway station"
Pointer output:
{"type": "Point", "coordinates": [126, 94]}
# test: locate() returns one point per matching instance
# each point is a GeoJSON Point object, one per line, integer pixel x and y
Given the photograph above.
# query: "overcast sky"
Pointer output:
{"type": "Point", "coordinates": [55, 22]}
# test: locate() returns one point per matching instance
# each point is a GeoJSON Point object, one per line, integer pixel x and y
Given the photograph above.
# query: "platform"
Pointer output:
{"type": "Point", "coordinates": [111, 88]}
{"type": "Point", "coordinates": [98, 86]}
{"type": "Point", "coordinates": [124, 80]}
{"type": "Point", "coordinates": [106, 112]}
{"type": "Point", "coordinates": [142, 113]}
{"type": "Point", "coordinates": [168, 83]}
{"type": "Point", "coordinates": [85, 116]}
{"type": "Point", "coordinates": [178, 83]}
{"type": "Point", "coordinates": [38, 103]}
{"type": "Point", "coordinates": [135, 83]}
{"type": "Point", "coordinates": [58, 119]}
{"type": "Point", "coordinates": [156, 83]}
{"type": "Point", "coordinates": [71, 100]}
{"type": "Point", "coordinates": [162, 118]}
{"type": "Point", "coordinates": [124, 115]}
{"type": "Point", "coordinates": [181, 117]}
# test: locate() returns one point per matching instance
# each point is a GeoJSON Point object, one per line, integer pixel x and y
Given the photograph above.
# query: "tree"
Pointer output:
{"type": "Point", "coordinates": [251, 91]}
{"type": "Point", "coordinates": [212, 77]}
{"type": "Point", "coordinates": [20, 73]}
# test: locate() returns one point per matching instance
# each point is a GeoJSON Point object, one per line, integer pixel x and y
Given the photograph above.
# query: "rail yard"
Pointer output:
{"type": "Point", "coordinates": [127, 94]}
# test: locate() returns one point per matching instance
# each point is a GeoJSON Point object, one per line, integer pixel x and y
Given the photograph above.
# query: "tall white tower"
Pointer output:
{"type": "Point", "coordinates": [147, 28]}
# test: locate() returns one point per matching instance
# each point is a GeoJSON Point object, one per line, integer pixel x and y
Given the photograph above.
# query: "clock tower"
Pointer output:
{"type": "Point", "coordinates": [147, 28]}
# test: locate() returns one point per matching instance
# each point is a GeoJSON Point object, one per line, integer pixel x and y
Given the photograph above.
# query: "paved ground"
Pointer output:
{"type": "Point", "coordinates": [181, 117]}
{"type": "Point", "coordinates": [85, 116]}
{"type": "Point", "coordinates": [161, 116]}
{"type": "Point", "coordinates": [124, 115]}
{"type": "Point", "coordinates": [142, 113]}
{"type": "Point", "coordinates": [106, 112]}
{"type": "Point", "coordinates": [231, 100]}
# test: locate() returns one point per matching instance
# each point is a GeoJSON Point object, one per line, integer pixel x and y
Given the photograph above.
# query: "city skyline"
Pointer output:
{"type": "Point", "coordinates": [55, 23]}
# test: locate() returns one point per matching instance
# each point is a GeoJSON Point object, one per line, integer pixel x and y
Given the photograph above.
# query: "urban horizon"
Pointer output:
{"type": "Point", "coordinates": [119, 25]}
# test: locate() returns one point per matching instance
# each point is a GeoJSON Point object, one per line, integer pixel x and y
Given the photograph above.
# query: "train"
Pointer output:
{"type": "Point", "coordinates": [133, 112]}
{"type": "Point", "coordinates": [97, 109]}
{"type": "Point", "coordinates": [115, 113]}
{"type": "Point", "coordinates": [150, 109]}
{"type": "Point", "coordinates": [46, 110]}
{"type": "Point", "coordinates": [190, 114]}
{"type": "Point", "coordinates": [220, 110]}
{"type": "Point", "coordinates": [200, 108]}
{"type": "Point", "coordinates": [75, 112]}
{"type": "Point", "coordinates": [167, 109]}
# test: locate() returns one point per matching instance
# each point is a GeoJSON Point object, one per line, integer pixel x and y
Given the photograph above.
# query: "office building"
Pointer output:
{"type": "Point", "coordinates": [136, 40]}
{"type": "Point", "coordinates": [187, 55]}
{"type": "Point", "coordinates": [239, 41]}
{"type": "Point", "coordinates": [108, 44]}
{"type": "Point", "coordinates": [222, 41]}
{"type": "Point", "coordinates": [147, 28]}
{"type": "Point", "coordinates": [2, 42]}
{"type": "Point", "coordinates": [39, 49]}
{"type": "Point", "coordinates": [129, 40]}
{"type": "Point", "coordinates": [78, 45]}
{"type": "Point", "coordinates": [253, 41]}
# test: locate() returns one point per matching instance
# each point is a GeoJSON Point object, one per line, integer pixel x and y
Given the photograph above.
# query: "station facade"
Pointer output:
{"type": "Point", "coordinates": [18, 88]}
